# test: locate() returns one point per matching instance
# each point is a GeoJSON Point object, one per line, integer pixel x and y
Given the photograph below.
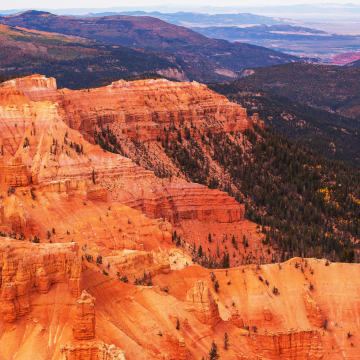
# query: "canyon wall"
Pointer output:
{"type": "Point", "coordinates": [91, 351]}
{"type": "Point", "coordinates": [39, 148]}
{"type": "Point", "coordinates": [177, 317]}
{"type": "Point", "coordinates": [102, 283]}
{"type": "Point", "coordinates": [201, 302]}
{"type": "Point", "coordinates": [26, 268]}
{"type": "Point", "coordinates": [299, 345]}
{"type": "Point", "coordinates": [141, 107]}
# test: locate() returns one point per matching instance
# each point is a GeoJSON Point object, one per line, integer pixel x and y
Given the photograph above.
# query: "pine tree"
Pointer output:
{"type": "Point", "coordinates": [209, 238]}
{"type": "Point", "coordinates": [233, 240]}
{"type": "Point", "coordinates": [200, 251]}
{"type": "Point", "coordinates": [226, 341]}
{"type": "Point", "coordinates": [216, 286]}
{"type": "Point", "coordinates": [213, 353]}
{"type": "Point", "coordinates": [225, 262]}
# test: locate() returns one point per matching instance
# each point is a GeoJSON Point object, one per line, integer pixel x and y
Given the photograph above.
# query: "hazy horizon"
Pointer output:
{"type": "Point", "coordinates": [81, 4]}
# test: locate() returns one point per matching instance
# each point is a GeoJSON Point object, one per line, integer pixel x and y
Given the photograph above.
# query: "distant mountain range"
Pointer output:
{"type": "Point", "coordinates": [196, 56]}
{"type": "Point", "coordinates": [288, 36]}
{"type": "Point", "coordinates": [190, 19]}
{"type": "Point", "coordinates": [347, 58]}
{"type": "Point", "coordinates": [327, 8]}
{"type": "Point", "coordinates": [262, 32]}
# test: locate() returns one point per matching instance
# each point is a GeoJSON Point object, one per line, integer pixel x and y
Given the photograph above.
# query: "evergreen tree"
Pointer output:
{"type": "Point", "coordinates": [225, 262]}
{"type": "Point", "coordinates": [226, 341]}
{"type": "Point", "coordinates": [233, 240]}
{"type": "Point", "coordinates": [213, 353]}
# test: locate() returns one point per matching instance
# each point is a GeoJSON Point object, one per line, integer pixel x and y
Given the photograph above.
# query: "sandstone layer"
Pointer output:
{"type": "Point", "coordinates": [27, 268]}
{"type": "Point", "coordinates": [38, 147]}
{"type": "Point", "coordinates": [106, 228]}
{"type": "Point", "coordinates": [180, 315]}
{"type": "Point", "coordinates": [84, 324]}
{"type": "Point", "coordinates": [300, 345]}
{"type": "Point", "coordinates": [201, 302]}
{"type": "Point", "coordinates": [141, 107]}
{"type": "Point", "coordinates": [91, 351]}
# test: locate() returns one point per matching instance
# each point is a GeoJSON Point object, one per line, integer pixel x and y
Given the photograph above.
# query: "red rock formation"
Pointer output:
{"type": "Point", "coordinates": [175, 348]}
{"type": "Point", "coordinates": [84, 324]}
{"type": "Point", "coordinates": [26, 268]}
{"type": "Point", "coordinates": [236, 320]}
{"type": "Point", "coordinates": [2, 214]}
{"type": "Point", "coordinates": [314, 313]}
{"type": "Point", "coordinates": [141, 107]}
{"type": "Point", "coordinates": [299, 345]}
{"type": "Point", "coordinates": [201, 302]}
{"type": "Point", "coordinates": [15, 173]}
{"type": "Point", "coordinates": [183, 201]}
{"type": "Point", "coordinates": [267, 314]}
{"type": "Point", "coordinates": [65, 191]}
{"type": "Point", "coordinates": [96, 350]}
{"type": "Point", "coordinates": [56, 158]}
{"type": "Point", "coordinates": [134, 264]}
{"type": "Point", "coordinates": [35, 87]}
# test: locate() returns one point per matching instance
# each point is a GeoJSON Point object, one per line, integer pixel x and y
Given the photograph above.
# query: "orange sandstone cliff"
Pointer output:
{"type": "Point", "coordinates": [88, 265]}
{"type": "Point", "coordinates": [44, 145]}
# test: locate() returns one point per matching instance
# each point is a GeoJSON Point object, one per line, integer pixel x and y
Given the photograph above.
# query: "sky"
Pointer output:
{"type": "Point", "coordinates": [36, 4]}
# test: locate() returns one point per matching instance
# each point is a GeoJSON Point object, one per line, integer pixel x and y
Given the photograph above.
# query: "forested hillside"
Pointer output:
{"type": "Point", "coordinates": [305, 203]}
{"type": "Point", "coordinates": [78, 62]}
{"type": "Point", "coordinates": [330, 134]}
{"type": "Point", "coordinates": [331, 88]}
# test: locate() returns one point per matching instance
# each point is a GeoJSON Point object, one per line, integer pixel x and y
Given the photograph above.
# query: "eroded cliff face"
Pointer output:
{"type": "Point", "coordinates": [91, 351]}
{"type": "Point", "coordinates": [27, 268]}
{"type": "Point", "coordinates": [105, 281]}
{"type": "Point", "coordinates": [142, 108]}
{"type": "Point", "coordinates": [176, 318]}
{"type": "Point", "coordinates": [38, 147]}
{"type": "Point", "coordinates": [299, 345]}
{"type": "Point", "coordinates": [201, 302]}
{"type": "Point", "coordinates": [84, 324]}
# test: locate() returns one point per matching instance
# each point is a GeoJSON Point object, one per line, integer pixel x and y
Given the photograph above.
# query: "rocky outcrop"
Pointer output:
{"type": "Point", "coordinates": [83, 188]}
{"type": "Point", "coordinates": [84, 329]}
{"type": "Point", "coordinates": [38, 147]}
{"type": "Point", "coordinates": [236, 320]}
{"type": "Point", "coordinates": [175, 348]}
{"type": "Point", "coordinates": [200, 301]}
{"type": "Point", "coordinates": [14, 173]}
{"type": "Point", "coordinates": [314, 313]}
{"type": "Point", "coordinates": [84, 323]}
{"type": "Point", "coordinates": [18, 218]}
{"type": "Point", "coordinates": [267, 314]}
{"type": "Point", "coordinates": [184, 201]}
{"type": "Point", "coordinates": [134, 264]}
{"type": "Point", "coordinates": [96, 350]}
{"type": "Point", "coordinates": [142, 108]}
{"type": "Point", "coordinates": [299, 345]}
{"type": "Point", "coordinates": [35, 87]}
{"type": "Point", "coordinates": [26, 268]}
